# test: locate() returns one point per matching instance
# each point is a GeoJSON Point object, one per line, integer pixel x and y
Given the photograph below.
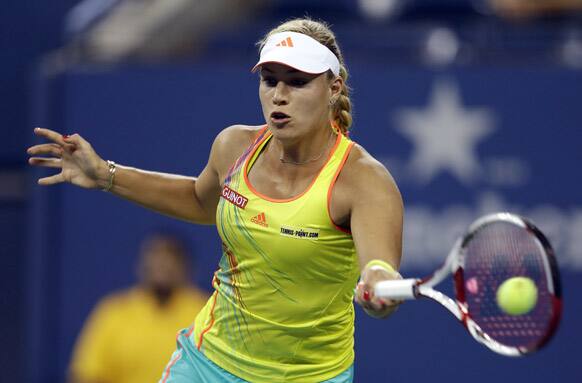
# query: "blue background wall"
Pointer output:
{"type": "Point", "coordinates": [63, 248]}
{"type": "Point", "coordinates": [28, 28]}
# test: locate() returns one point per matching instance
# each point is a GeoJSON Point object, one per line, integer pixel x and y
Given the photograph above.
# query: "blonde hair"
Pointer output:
{"type": "Point", "coordinates": [320, 31]}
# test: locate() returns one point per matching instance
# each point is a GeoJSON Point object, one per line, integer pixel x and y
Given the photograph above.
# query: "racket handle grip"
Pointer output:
{"type": "Point", "coordinates": [399, 289]}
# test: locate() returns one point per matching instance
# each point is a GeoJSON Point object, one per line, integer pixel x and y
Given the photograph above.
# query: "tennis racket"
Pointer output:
{"type": "Point", "coordinates": [496, 247]}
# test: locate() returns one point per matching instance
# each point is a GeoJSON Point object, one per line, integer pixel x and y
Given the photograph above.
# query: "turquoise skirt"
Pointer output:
{"type": "Point", "coordinates": [189, 365]}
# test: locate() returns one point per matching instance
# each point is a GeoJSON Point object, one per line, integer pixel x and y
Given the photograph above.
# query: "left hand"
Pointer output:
{"type": "Point", "coordinates": [364, 296]}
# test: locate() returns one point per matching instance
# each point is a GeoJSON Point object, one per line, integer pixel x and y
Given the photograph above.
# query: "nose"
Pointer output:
{"type": "Point", "coordinates": [280, 94]}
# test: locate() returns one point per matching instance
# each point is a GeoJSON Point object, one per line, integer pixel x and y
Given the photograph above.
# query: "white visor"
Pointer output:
{"type": "Point", "coordinates": [300, 52]}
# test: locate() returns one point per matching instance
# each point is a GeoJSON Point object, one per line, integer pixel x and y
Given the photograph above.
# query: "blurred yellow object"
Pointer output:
{"type": "Point", "coordinates": [129, 337]}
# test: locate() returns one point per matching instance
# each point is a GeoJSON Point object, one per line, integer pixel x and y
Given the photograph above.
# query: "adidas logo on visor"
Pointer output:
{"type": "Point", "coordinates": [286, 43]}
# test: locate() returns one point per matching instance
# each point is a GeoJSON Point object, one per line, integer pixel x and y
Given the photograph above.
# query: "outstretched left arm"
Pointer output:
{"type": "Point", "coordinates": [376, 220]}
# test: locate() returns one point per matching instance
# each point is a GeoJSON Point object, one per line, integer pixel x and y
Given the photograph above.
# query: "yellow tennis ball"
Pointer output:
{"type": "Point", "coordinates": [517, 295]}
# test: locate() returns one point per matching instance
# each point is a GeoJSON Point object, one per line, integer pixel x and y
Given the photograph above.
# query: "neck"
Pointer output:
{"type": "Point", "coordinates": [306, 151]}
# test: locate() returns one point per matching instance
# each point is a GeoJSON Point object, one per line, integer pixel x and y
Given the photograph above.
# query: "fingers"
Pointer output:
{"type": "Point", "coordinates": [46, 162]}
{"type": "Point", "coordinates": [50, 135]}
{"type": "Point", "coordinates": [371, 276]}
{"type": "Point", "coordinates": [373, 305]}
{"type": "Point", "coordinates": [364, 296]}
{"type": "Point", "coordinates": [70, 143]}
{"type": "Point", "coordinates": [46, 149]}
{"type": "Point", "coordinates": [74, 142]}
{"type": "Point", "coordinates": [73, 139]}
{"type": "Point", "coordinates": [52, 180]}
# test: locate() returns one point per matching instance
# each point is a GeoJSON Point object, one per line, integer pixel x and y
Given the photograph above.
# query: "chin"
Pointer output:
{"type": "Point", "coordinates": [285, 134]}
{"type": "Point", "coordinates": [279, 130]}
{"type": "Point", "coordinates": [288, 129]}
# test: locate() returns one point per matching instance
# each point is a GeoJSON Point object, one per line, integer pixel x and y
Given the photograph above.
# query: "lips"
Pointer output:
{"type": "Point", "coordinates": [279, 117]}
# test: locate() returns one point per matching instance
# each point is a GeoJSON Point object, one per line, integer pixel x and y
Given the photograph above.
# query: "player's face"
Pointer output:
{"type": "Point", "coordinates": [294, 103]}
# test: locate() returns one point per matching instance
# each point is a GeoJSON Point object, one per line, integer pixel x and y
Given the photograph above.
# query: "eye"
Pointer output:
{"type": "Point", "coordinates": [269, 81]}
{"type": "Point", "coordinates": [298, 82]}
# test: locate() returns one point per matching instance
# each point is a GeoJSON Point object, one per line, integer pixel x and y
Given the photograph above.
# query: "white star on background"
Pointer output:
{"type": "Point", "coordinates": [445, 135]}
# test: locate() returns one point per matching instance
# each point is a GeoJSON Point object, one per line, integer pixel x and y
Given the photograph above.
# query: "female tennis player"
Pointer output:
{"type": "Point", "coordinates": [302, 211]}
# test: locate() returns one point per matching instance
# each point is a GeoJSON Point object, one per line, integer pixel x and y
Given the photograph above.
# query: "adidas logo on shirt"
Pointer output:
{"type": "Point", "coordinates": [260, 219]}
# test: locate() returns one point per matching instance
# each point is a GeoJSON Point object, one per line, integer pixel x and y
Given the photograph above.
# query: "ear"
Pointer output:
{"type": "Point", "coordinates": [335, 86]}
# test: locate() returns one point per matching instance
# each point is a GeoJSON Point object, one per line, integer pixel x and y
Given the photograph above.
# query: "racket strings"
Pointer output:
{"type": "Point", "coordinates": [495, 253]}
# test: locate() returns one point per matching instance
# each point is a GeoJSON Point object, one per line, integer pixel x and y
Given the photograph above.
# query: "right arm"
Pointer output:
{"type": "Point", "coordinates": [193, 199]}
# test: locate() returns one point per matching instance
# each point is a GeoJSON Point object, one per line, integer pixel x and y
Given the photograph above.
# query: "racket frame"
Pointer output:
{"type": "Point", "coordinates": [413, 288]}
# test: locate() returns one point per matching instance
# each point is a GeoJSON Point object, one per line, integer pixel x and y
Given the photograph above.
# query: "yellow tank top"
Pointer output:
{"type": "Point", "coordinates": [282, 308]}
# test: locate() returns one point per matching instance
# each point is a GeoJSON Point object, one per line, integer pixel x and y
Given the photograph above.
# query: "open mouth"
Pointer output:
{"type": "Point", "coordinates": [279, 117]}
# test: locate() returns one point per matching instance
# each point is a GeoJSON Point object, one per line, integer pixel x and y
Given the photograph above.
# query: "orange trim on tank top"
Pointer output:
{"type": "Point", "coordinates": [170, 365]}
{"type": "Point", "coordinates": [201, 338]}
{"type": "Point", "coordinates": [257, 193]}
{"type": "Point", "coordinates": [331, 185]}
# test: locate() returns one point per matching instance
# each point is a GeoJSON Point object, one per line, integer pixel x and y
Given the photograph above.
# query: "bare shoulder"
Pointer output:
{"type": "Point", "coordinates": [230, 144]}
{"type": "Point", "coordinates": [363, 173]}
{"type": "Point", "coordinates": [236, 137]}
{"type": "Point", "coordinates": [363, 184]}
